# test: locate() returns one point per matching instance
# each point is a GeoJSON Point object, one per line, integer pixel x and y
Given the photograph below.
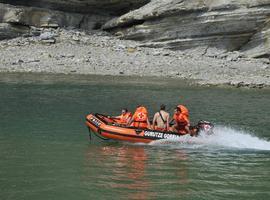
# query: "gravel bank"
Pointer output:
{"type": "Point", "coordinates": [74, 52]}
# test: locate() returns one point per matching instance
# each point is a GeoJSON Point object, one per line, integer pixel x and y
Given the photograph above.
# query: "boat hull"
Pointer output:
{"type": "Point", "coordinates": [105, 128]}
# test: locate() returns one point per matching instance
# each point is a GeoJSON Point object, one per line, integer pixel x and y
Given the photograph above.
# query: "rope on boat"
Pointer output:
{"type": "Point", "coordinates": [90, 135]}
{"type": "Point", "coordinates": [98, 135]}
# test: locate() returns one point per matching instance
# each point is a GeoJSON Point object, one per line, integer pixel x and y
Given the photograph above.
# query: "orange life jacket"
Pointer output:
{"type": "Point", "coordinates": [140, 117]}
{"type": "Point", "coordinates": [184, 110]}
{"type": "Point", "coordinates": [123, 119]}
{"type": "Point", "coordinates": [182, 119]}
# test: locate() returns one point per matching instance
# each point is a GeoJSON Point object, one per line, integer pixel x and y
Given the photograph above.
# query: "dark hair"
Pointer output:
{"type": "Point", "coordinates": [178, 109]}
{"type": "Point", "coordinates": [162, 107]}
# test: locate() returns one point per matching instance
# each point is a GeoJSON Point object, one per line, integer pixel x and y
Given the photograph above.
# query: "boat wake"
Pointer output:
{"type": "Point", "coordinates": [223, 137]}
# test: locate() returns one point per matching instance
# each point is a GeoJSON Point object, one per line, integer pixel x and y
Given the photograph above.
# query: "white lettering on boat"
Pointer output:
{"type": "Point", "coordinates": [171, 136]}
{"type": "Point", "coordinates": [153, 134]}
{"type": "Point", "coordinates": [160, 135]}
{"type": "Point", "coordinates": [95, 121]}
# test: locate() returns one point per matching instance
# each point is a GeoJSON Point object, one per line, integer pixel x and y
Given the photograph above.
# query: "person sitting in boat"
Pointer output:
{"type": "Point", "coordinates": [140, 118]}
{"type": "Point", "coordinates": [181, 118]}
{"type": "Point", "coordinates": [161, 119]}
{"type": "Point", "coordinates": [124, 118]}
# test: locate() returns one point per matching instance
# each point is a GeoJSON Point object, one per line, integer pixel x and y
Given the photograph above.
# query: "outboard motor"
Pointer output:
{"type": "Point", "coordinates": [205, 126]}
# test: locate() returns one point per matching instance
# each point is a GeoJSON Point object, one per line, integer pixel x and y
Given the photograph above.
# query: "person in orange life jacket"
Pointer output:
{"type": "Point", "coordinates": [140, 118]}
{"type": "Point", "coordinates": [181, 118]}
{"type": "Point", "coordinates": [161, 119]}
{"type": "Point", "coordinates": [124, 118]}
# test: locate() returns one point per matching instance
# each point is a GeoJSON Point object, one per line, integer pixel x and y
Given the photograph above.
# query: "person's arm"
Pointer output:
{"type": "Point", "coordinates": [171, 121]}
{"type": "Point", "coordinates": [148, 123]}
{"type": "Point", "coordinates": [130, 121]}
{"type": "Point", "coordinates": [154, 121]}
{"type": "Point", "coordinates": [167, 122]}
{"type": "Point", "coordinates": [187, 122]}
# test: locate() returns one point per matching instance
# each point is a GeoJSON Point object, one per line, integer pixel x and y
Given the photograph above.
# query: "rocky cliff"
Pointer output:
{"type": "Point", "coordinates": [114, 7]}
{"type": "Point", "coordinates": [209, 26]}
{"type": "Point", "coordinates": [17, 16]}
{"type": "Point", "coordinates": [212, 25]}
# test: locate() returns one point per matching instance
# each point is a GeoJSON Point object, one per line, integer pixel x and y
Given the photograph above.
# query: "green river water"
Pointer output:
{"type": "Point", "coordinates": [45, 152]}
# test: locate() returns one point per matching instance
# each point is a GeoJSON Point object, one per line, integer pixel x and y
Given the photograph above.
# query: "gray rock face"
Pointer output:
{"type": "Point", "coordinates": [259, 45]}
{"type": "Point", "coordinates": [12, 30]}
{"type": "Point", "coordinates": [38, 17]}
{"type": "Point", "coordinates": [83, 6]}
{"type": "Point", "coordinates": [183, 24]}
{"type": "Point", "coordinates": [20, 16]}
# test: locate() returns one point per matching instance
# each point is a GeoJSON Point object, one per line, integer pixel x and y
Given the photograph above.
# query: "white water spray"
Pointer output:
{"type": "Point", "coordinates": [223, 137]}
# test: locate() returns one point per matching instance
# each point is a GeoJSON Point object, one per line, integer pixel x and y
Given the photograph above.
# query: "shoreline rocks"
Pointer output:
{"type": "Point", "coordinates": [77, 52]}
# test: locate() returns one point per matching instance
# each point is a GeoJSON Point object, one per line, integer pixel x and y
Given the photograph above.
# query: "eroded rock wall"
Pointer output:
{"type": "Point", "coordinates": [80, 14]}
{"type": "Point", "coordinates": [21, 17]}
{"type": "Point", "coordinates": [259, 44]}
{"type": "Point", "coordinates": [227, 25]}
{"type": "Point", "coordinates": [114, 7]}
{"type": "Point", "coordinates": [8, 30]}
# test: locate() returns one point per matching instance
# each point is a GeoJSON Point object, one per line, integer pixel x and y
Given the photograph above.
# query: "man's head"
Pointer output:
{"type": "Point", "coordinates": [124, 111]}
{"type": "Point", "coordinates": [162, 107]}
{"type": "Point", "coordinates": [177, 110]}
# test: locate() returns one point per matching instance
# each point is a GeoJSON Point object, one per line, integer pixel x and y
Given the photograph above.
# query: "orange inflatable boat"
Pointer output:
{"type": "Point", "coordinates": [106, 128]}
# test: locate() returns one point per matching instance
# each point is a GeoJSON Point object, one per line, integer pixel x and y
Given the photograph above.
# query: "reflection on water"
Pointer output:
{"type": "Point", "coordinates": [132, 169]}
{"type": "Point", "coordinates": [129, 170]}
{"type": "Point", "coordinates": [125, 170]}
